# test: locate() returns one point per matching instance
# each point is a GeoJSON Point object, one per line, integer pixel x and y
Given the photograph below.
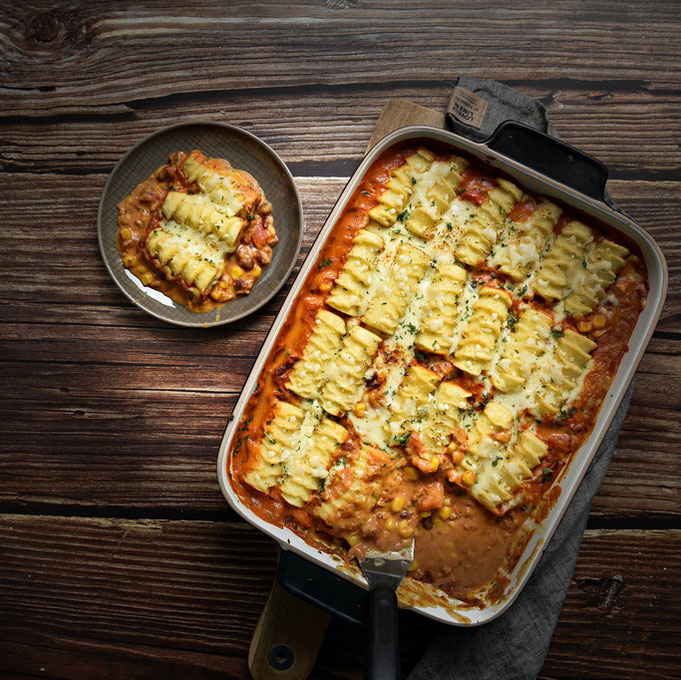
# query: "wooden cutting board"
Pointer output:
{"type": "Point", "coordinates": [290, 631]}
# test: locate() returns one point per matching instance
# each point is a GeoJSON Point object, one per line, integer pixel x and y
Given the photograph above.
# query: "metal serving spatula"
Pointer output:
{"type": "Point", "coordinates": [384, 571]}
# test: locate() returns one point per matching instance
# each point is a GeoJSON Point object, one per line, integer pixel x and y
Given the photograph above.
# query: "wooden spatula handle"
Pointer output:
{"type": "Point", "coordinates": [287, 638]}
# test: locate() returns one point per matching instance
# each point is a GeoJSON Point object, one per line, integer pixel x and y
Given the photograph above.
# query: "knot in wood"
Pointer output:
{"type": "Point", "coordinates": [44, 28]}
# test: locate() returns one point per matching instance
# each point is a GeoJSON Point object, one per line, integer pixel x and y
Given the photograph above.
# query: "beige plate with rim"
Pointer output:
{"type": "Point", "coordinates": [244, 151]}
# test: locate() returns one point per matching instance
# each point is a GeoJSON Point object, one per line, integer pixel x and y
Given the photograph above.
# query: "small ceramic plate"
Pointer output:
{"type": "Point", "coordinates": [244, 151]}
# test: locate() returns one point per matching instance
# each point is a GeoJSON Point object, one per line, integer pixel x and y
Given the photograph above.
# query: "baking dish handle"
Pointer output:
{"type": "Point", "coordinates": [550, 156]}
{"type": "Point", "coordinates": [324, 589]}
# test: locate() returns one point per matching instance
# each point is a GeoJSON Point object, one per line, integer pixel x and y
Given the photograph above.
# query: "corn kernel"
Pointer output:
{"type": "Point", "coordinates": [397, 504]}
{"type": "Point", "coordinates": [411, 473]}
{"type": "Point", "coordinates": [584, 326]}
{"type": "Point", "coordinates": [236, 271]}
{"type": "Point", "coordinates": [126, 234]}
{"type": "Point", "coordinates": [424, 514]}
{"type": "Point", "coordinates": [599, 321]}
{"type": "Point", "coordinates": [468, 478]}
{"type": "Point", "coordinates": [434, 463]}
{"type": "Point", "coordinates": [390, 524]}
{"type": "Point", "coordinates": [147, 278]}
{"type": "Point", "coordinates": [414, 565]}
{"type": "Point", "coordinates": [437, 522]}
{"type": "Point", "coordinates": [445, 512]}
{"type": "Point", "coordinates": [404, 529]}
{"type": "Point", "coordinates": [353, 539]}
{"type": "Point", "coordinates": [129, 260]}
{"type": "Point", "coordinates": [597, 334]}
{"type": "Point", "coordinates": [360, 409]}
{"type": "Point", "coordinates": [375, 398]}
{"type": "Point", "coordinates": [452, 447]}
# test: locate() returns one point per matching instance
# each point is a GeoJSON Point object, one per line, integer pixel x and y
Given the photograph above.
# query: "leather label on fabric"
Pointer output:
{"type": "Point", "coordinates": [467, 107]}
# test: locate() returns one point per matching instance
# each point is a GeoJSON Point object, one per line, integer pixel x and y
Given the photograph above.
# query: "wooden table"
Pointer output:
{"type": "Point", "coordinates": [118, 556]}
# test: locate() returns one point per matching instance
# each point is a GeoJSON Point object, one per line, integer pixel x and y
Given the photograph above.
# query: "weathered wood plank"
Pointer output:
{"type": "Point", "coordinates": [145, 436]}
{"type": "Point", "coordinates": [615, 618]}
{"type": "Point", "coordinates": [95, 371]}
{"type": "Point", "coordinates": [71, 220]}
{"type": "Point", "coordinates": [246, 46]}
{"type": "Point", "coordinates": [324, 130]}
{"type": "Point", "coordinates": [156, 598]}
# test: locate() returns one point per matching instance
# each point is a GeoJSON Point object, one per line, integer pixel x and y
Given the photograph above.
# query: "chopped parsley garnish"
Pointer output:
{"type": "Point", "coordinates": [403, 438]}
{"type": "Point", "coordinates": [404, 216]}
{"type": "Point", "coordinates": [547, 474]}
{"type": "Point", "coordinates": [557, 332]}
{"type": "Point", "coordinates": [324, 263]}
{"type": "Point", "coordinates": [563, 414]}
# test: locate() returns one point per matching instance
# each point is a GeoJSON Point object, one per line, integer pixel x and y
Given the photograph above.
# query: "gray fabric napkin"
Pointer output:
{"type": "Point", "coordinates": [513, 647]}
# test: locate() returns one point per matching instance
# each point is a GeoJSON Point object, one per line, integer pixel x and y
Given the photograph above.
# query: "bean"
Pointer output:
{"type": "Point", "coordinates": [244, 257]}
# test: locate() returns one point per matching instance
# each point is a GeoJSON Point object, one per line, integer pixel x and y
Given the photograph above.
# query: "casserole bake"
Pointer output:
{"type": "Point", "coordinates": [431, 407]}
{"type": "Point", "coordinates": [243, 150]}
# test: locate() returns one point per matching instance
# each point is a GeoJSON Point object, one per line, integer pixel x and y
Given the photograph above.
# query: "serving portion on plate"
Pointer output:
{"type": "Point", "coordinates": [445, 358]}
{"type": "Point", "coordinates": [198, 230]}
{"type": "Point", "coordinates": [201, 238]}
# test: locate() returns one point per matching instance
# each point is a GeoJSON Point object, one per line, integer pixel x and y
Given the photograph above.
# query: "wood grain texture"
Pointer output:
{"type": "Point", "coordinates": [114, 418]}
{"type": "Point", "coordinates": [72, 223]}
{"type": "Point", "coordinates": [79, 594]}
{"type": "Point", "coordinates": [323, 130]}
{"type": "Point", "coordinates": [96, 372]}
{"type": "Point", "coordinates": [333, 43]}
{"type": "Point", "coordinates": [102, 441]}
